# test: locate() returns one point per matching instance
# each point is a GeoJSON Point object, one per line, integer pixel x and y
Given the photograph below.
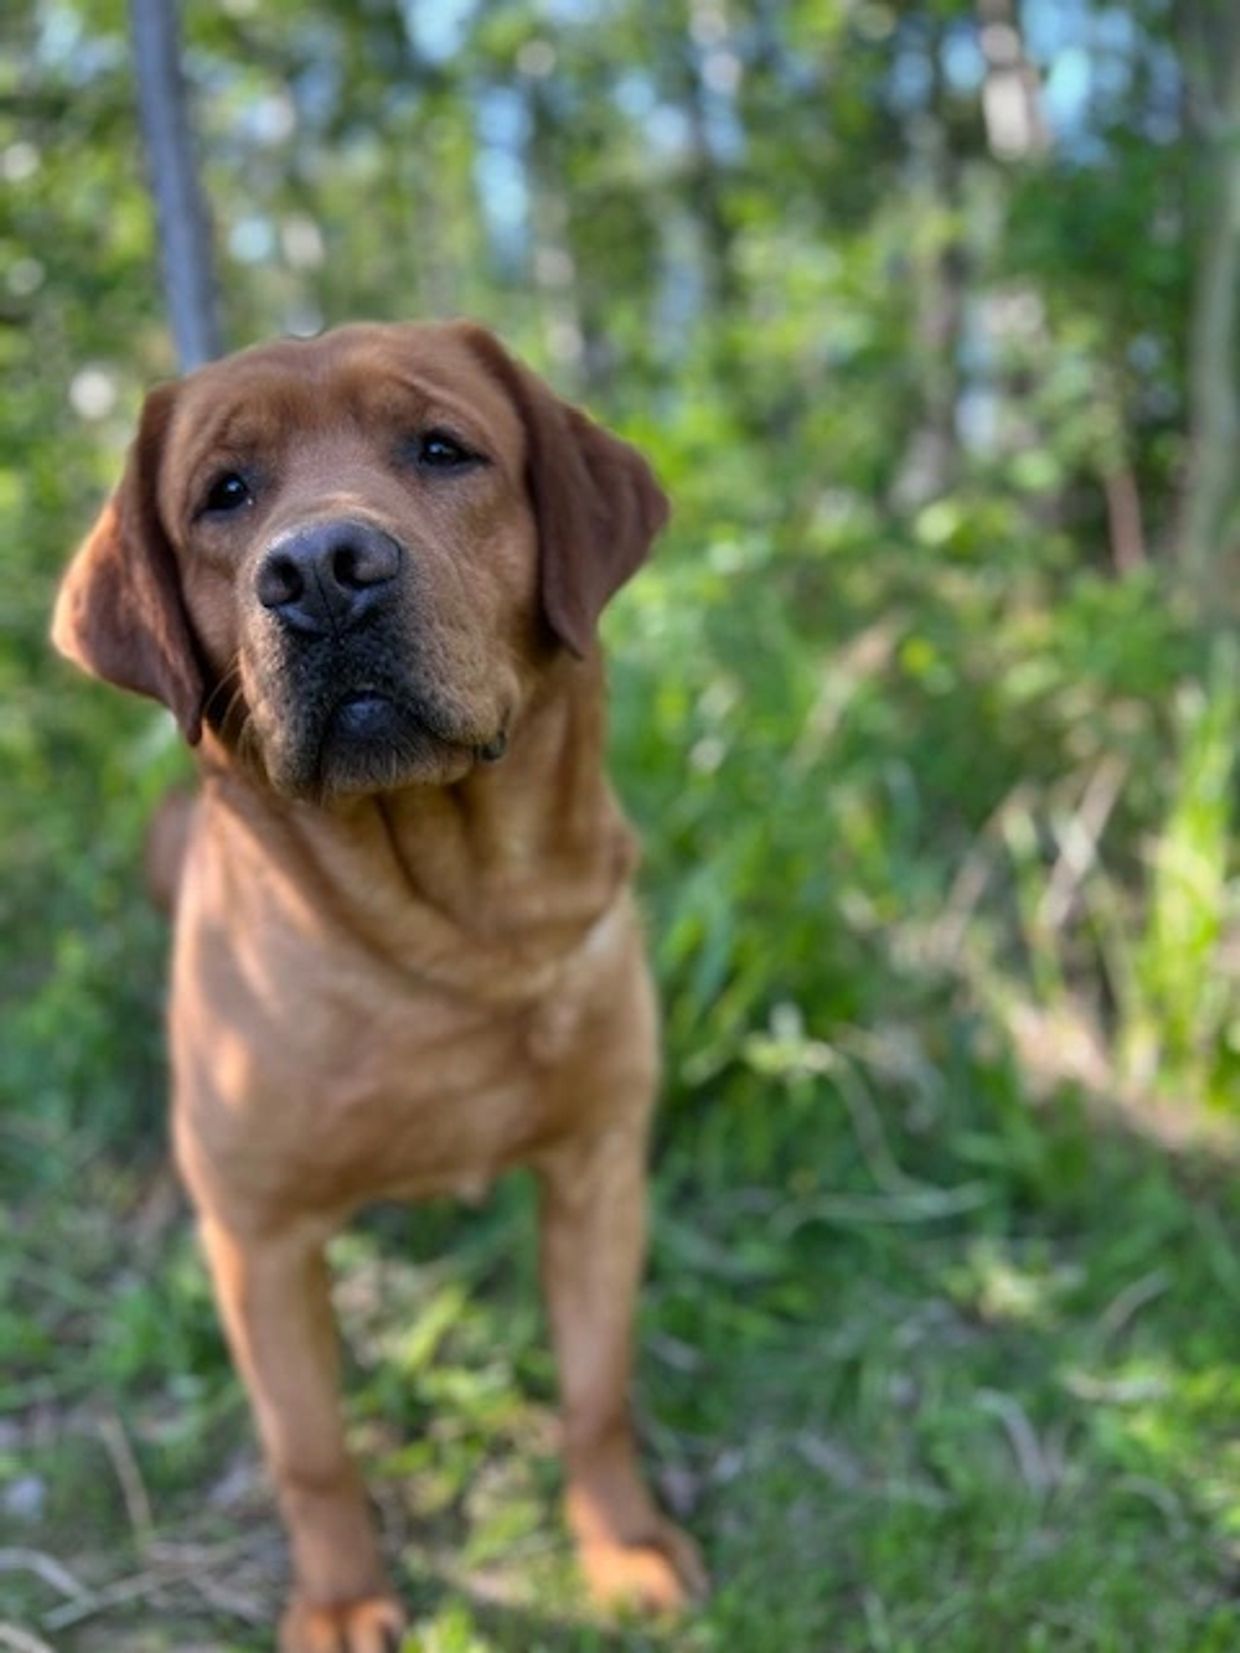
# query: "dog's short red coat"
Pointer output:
{"type": "Point", "coordinates": [401, 985]}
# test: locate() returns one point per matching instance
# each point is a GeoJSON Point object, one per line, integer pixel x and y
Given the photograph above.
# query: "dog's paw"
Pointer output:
{"type": "Point", "coordinates": [374, 1624]}
{"type": "Point", "coordinates": [664, 1574]}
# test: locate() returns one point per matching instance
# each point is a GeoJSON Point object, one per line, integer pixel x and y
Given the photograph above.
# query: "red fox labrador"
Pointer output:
{"type": "Point", "coordinates": [364, 574]}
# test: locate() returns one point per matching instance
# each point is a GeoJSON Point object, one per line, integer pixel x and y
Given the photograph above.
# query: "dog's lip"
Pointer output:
{"type": "Point", "coordinates": [364, 714]}
{"type": "Point", "coordinates": [364, 705]}
{"type": "Point", "coordinates": [374, 714]}
{"type": "Point", "coordinates": [363, 697]}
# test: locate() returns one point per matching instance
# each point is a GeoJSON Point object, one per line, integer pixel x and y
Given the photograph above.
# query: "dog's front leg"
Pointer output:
{"type": "Point", "coordinates": [593, 1246]}
{"type": "Point", "coordinates": [273, 1296]}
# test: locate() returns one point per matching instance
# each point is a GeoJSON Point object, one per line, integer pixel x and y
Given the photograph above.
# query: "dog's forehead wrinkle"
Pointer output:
{"type": "Point", "coordinates": [363, 369]}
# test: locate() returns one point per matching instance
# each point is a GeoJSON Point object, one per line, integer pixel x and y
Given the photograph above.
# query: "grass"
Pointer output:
{"type": "Point", "coordinates": [965, 1388]}
{"type": "Point", "coordinates": [940, 1343]}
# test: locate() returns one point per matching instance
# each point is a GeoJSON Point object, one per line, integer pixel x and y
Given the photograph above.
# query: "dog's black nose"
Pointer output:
{"type": "Point", "coordinates": [329, 576]}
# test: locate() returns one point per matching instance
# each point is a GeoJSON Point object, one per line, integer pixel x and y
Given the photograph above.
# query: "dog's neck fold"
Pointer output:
{"type": "Point", "coordinates": [483, 886]}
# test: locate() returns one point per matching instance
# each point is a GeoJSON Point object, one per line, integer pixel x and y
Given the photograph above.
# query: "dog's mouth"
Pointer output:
{"type": "Point", "coordinates": [341, 723]}
{"type": "Point", "coordinates": [374, 739]}
{"type": "Point", "coordinates": [371, 739]}
{"type": "Point", "coordinates": [382, 716]}
{"type": "Point", "coordinates": [364, 715]}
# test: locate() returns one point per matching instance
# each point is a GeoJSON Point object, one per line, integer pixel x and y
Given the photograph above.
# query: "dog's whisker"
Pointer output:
{"type": "Point", "coordinates": [229, 679]}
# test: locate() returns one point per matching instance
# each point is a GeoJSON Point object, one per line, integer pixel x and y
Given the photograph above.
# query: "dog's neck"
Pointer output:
{"type": "Point", "coordinates": [543, 819]}
{"type": "Point", "coordinates": [500, 875]}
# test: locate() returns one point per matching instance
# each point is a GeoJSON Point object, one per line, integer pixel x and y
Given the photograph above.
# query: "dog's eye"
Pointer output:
{"type": "Point", "coordinates": [440, 451]}
{"type": "Point", "coordinates": [228, 492]}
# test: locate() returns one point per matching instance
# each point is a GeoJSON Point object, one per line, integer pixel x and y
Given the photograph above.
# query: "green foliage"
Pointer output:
{"type": "Point", "coordinates": [1183, 1025]}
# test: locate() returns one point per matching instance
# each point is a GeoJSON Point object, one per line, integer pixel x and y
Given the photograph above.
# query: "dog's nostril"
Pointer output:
{"type": "Point", "coordinates": [364, 561]}
{"type": "Point", "coordinates": [346, 569]}
{"type": "Point", "coordinates": [280, 581]}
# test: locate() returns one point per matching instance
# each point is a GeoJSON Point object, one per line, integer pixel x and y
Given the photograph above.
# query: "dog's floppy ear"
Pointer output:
{"type": "Point", "coordinates": [120, 614]}
{"type": "Point", "coordinates": [598, 505]}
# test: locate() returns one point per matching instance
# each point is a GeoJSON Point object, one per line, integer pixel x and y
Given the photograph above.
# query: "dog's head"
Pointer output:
{"type": "Point", "coordinates": [352, 558]}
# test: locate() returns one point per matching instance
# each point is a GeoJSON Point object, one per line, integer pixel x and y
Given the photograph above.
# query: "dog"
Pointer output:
{"type": "Point", "coordinates": [364, 573]}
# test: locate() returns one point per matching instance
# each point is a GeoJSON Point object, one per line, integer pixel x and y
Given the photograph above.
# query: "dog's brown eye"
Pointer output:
{"type": "Point", "coordinates": [441, 452]}
{"type": "Point", "coordinates": [229, 492]}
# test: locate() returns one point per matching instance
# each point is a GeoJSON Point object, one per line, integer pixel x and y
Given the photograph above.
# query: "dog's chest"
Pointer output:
{"type": "Point", "coordinates": [348, 1088]}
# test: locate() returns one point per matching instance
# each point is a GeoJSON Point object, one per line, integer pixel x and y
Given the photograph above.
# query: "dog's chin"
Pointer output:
{"type": "Point", "coordinates": [365, 743]}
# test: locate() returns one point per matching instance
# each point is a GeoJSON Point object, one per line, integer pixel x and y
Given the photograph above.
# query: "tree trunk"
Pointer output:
{"type": "Point", "coordinates": [1212, 487]}
{"type": "Point", "coordinates": [939, 261]}
{"type": "Point", "coordinates": [693, 38]}
{"type": "Point", "coordinates": [554, 268]}
{"type": "Point", "coordinates": [180, 206]}
{"type": "Point", "coordinates": [1011, 92]}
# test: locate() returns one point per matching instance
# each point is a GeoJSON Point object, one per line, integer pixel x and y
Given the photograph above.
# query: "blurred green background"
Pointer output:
{"type": "Point", "coordinates": [927, 708]}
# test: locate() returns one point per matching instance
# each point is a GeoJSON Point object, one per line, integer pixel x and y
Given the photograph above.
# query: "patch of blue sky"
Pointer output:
{"type": "Point", "coordinates": [963, 64]}
{"type": "Point", "coordinates": [504, 196]}
{"type": "Point", "coordinates": [437, 29]}
{"type": "Point", "coordinates": [61, 44]}
{"type": "Point", "coordinates": [502, 117]}
{"type": "Point", "coordinates": [634, 94]}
